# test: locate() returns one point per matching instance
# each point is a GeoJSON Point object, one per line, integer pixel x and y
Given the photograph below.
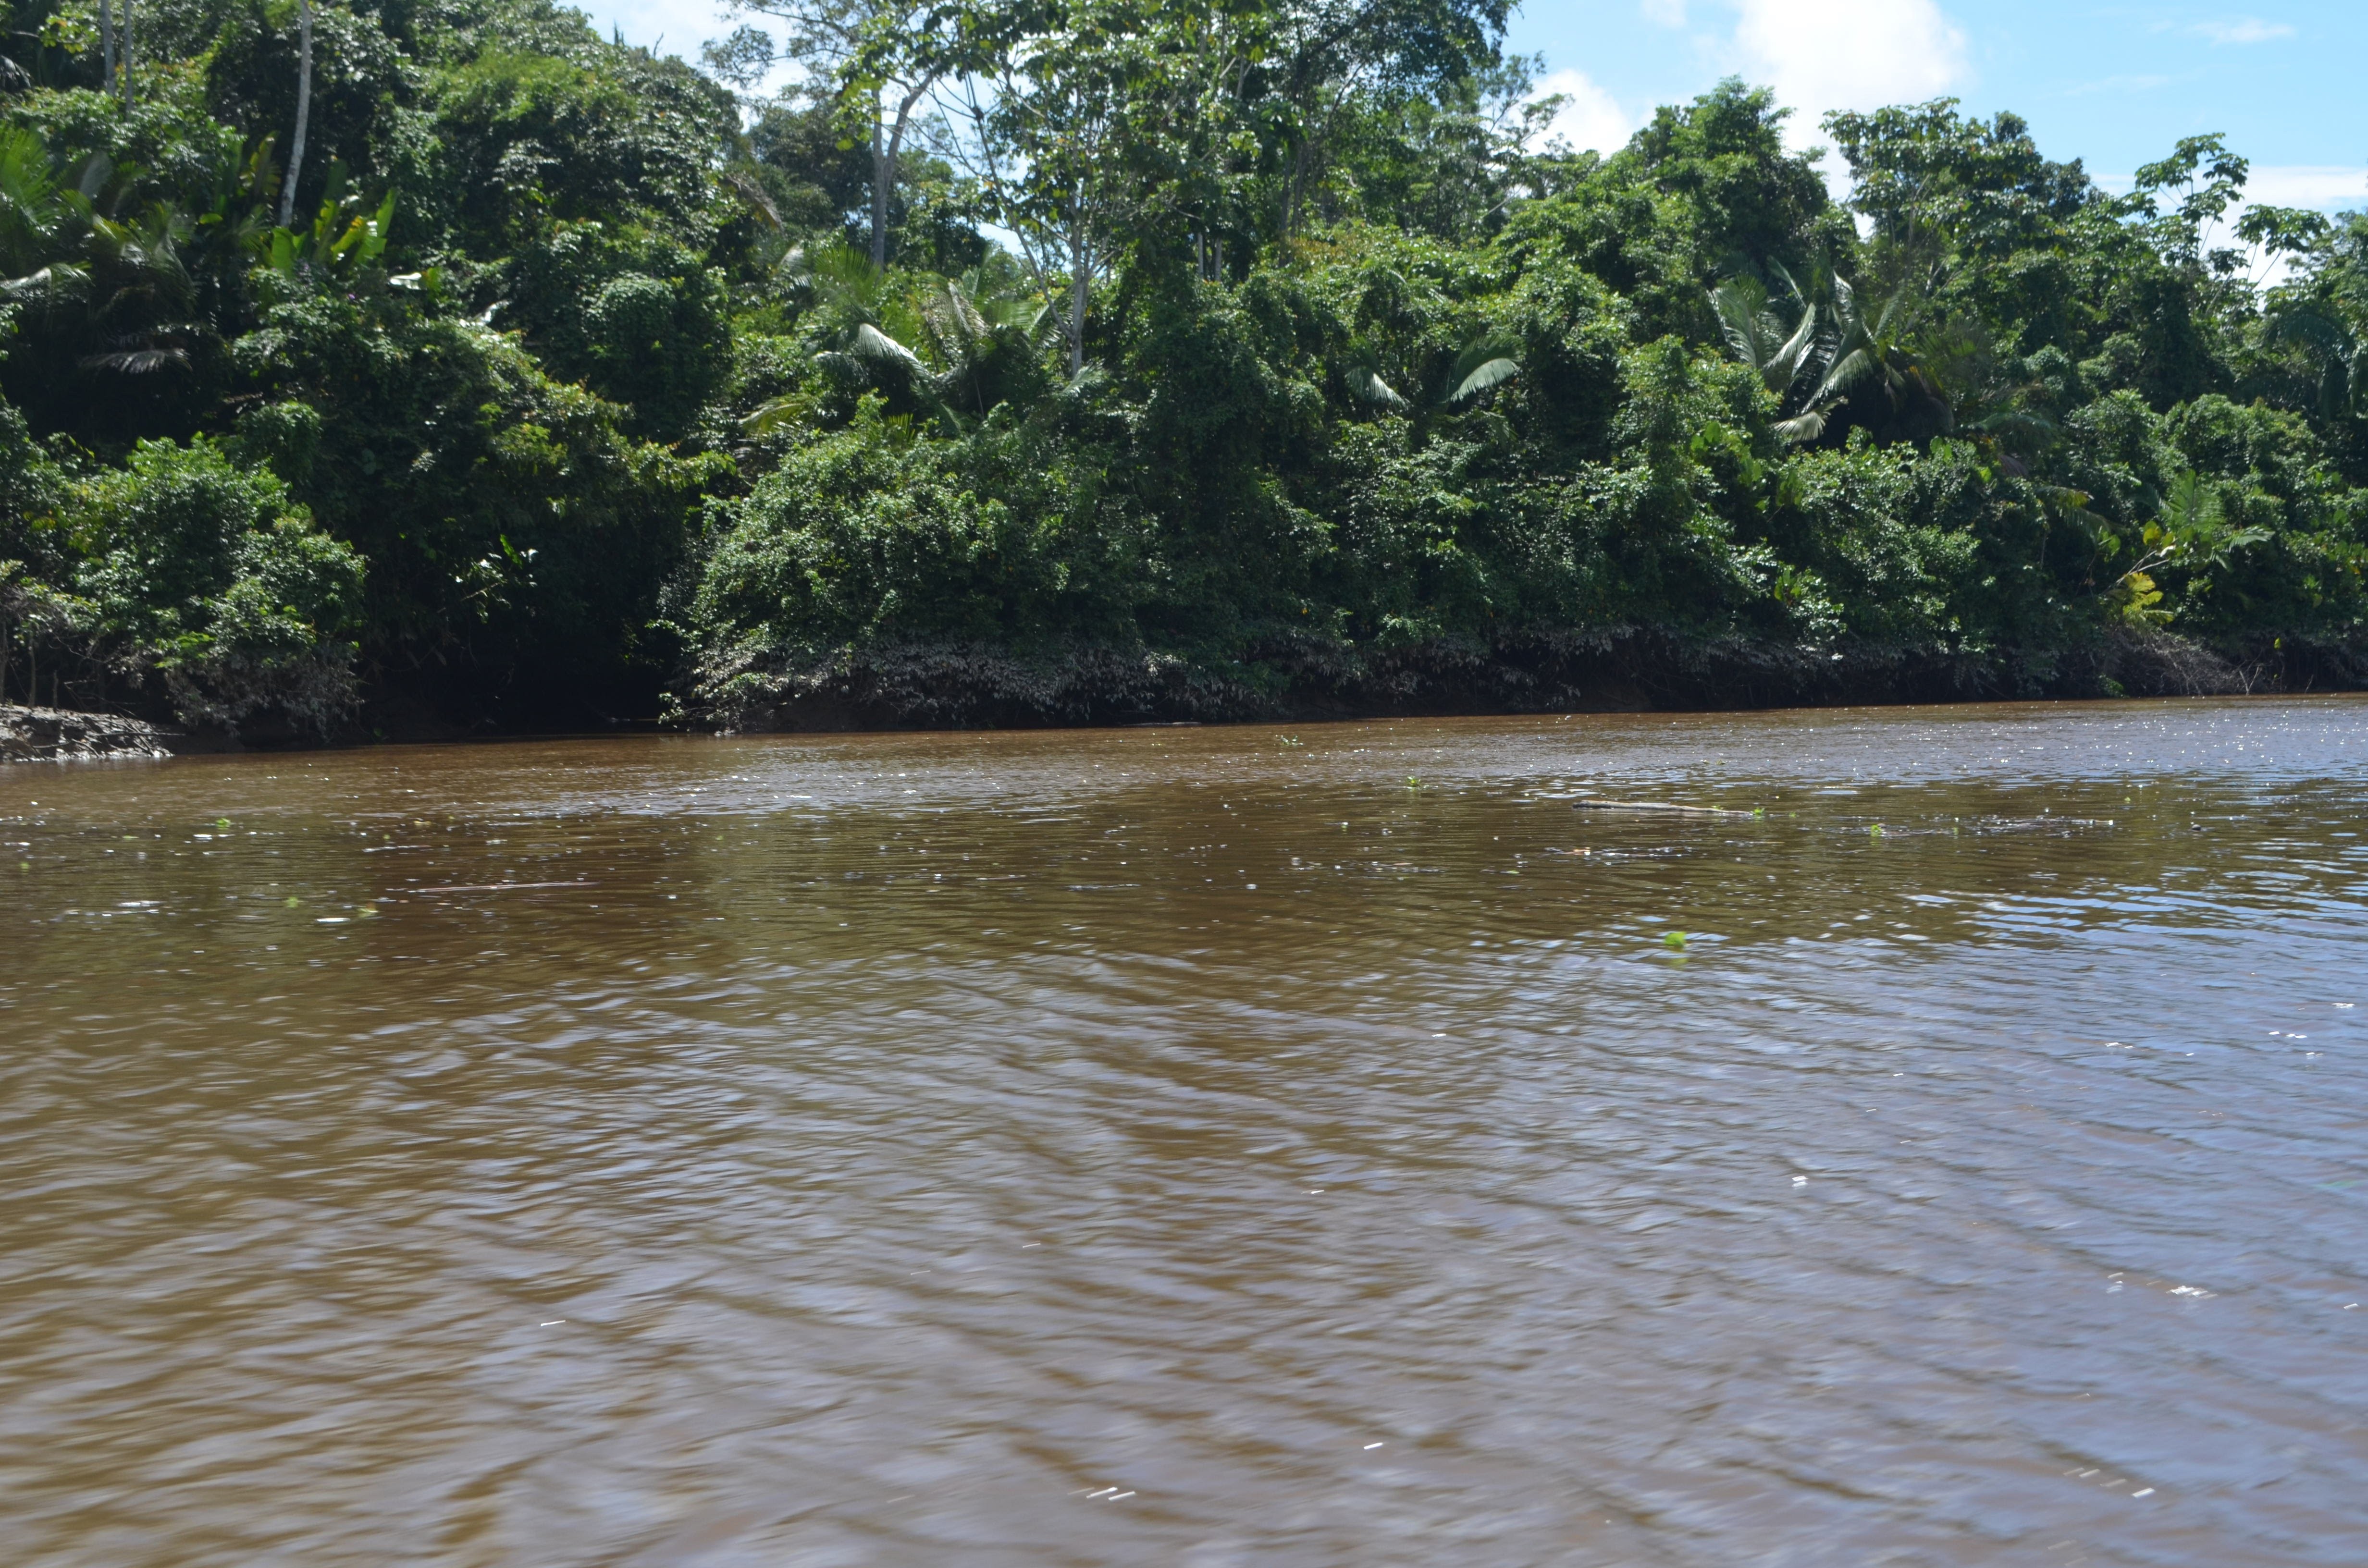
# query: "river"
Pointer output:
{"type": "Point", "coordinates": [1198, 1146]}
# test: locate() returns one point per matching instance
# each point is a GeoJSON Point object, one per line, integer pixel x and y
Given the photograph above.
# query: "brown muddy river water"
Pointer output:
{"type": "Point", "coordinates": [1198, 1147]}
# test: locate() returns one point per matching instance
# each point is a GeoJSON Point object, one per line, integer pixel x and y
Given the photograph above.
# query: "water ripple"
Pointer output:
{"type": "Point", "coordinates": [1170, 1145]}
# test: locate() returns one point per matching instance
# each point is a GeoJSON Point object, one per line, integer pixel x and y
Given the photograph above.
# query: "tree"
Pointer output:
{"type": "Point", "coordinates": [1875, 349]}
{"type": "Point", "coordinates": [1923, 168]}
{"type": "Point", "coordinates": [1041, 120]}
{"type": "Point", "coordinates": [303, 111]}
{"type": "Point", "coordinates": [885, 88]}
{"type": "Point", "coordinates": [1094, 129]}
{"type": "Point", "coordinates": [2193, 532]}
{"type": "Point", "coordinates": [42, 225]}
{"type": "Point", "coordinates": [2341, 351]}
{"type": "Point", "coordinates": [1325, 60]}
{"type": "Point", "coordinates": [1782, 355]}
{"type": "Point", "coordinates": [2208, 179]}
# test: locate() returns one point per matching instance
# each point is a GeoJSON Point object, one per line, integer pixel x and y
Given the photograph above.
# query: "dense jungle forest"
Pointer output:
{"type": "Point", "coordinates": [420, 365]}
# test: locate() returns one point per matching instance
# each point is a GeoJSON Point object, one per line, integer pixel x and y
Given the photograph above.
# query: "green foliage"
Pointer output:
{"type": "Point", "coordinates": [513, 531]}
{"type": "Point", "coordinates": [874, 529]}
{"type": "Point", "coordinates": [542, 122]}
{"type": "Point", "coordinates": [1307, 361]}
{"type": "Point", "coordinates": [197, 583]}
{"type": "Point", "coordinates": [638, 317]}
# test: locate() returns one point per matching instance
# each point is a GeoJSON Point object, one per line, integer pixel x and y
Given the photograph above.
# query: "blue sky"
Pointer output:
{"type": "Point", "coordinates": [2113, 85]}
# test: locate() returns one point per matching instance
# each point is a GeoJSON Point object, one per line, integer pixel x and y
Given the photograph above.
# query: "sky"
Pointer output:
{"type": "Point", "coordinates": [2115, 86]}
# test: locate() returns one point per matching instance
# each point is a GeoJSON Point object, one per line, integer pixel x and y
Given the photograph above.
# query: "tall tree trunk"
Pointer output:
{"type": "Point", "coordinates": [304, 113]}
{"type": "Point", "coordinates": [106, 46]}
{"type": "Point", "coordinates": [127, 54]}
{"type": "Point", "coordinates": [1077, 299]}
{"type": "Point", "coordinates": [885, 158]}
{"type": "Point", "coordinates": [882, 177]}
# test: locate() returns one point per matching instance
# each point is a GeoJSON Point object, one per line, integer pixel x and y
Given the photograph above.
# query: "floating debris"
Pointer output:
{"type": "Point", "coordinates": [1597, 803]}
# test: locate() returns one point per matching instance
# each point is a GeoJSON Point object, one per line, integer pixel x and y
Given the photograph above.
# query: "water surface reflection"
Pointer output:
{"type": "Point", "coordinates": [1204, 1146]}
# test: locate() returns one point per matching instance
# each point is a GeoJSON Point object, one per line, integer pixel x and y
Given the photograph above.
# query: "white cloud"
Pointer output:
{"type": "Point", "coordinates": [1590, 119]}
{"type": "Point", "coordinates": [2242, 30]}
{"type": "Point", "coordinates": [1848, 54]}
{"type": "Point", "coordinates": [2326, 186]}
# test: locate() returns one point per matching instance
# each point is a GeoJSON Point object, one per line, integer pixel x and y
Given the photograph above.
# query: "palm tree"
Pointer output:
{"type": "Point", "coordinates": [990, 335]}
{"type": "Point", "coordinates": [986, 337]}
{"type": "Point", "coordinates": [1787, 354]}
{"type": "Point", "coordinates": [146, 291]}
{"type": "Point", "coordinates": [2191, 531]}
{"type": "Point", "coordinates": [855, 305]}
{"type": "Point", "coordinates": [41, 224]}
{"type": "Point", "coordinates": [1867, 349]}
{"type": "Point", "coordinates": [2342, 354]}
{"type": "Point", "coordinates": [1893, 348]}
{"type": "Point", "coordinates": [1757, 332]}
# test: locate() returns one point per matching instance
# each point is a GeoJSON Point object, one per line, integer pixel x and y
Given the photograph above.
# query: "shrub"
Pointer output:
{"type": "Point", "coordinates": [205, 578]}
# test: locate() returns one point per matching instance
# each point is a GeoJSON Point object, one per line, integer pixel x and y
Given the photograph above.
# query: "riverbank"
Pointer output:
{"type": "Point", "coordinates": [60, 735]}
{"type": "Point", "coordinates": [944, 686]}
{"type": "Point", "coordinates": [955, 686]}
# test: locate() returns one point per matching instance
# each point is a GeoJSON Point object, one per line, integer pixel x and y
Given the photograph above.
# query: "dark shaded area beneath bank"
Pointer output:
{"type": "Point", "coordinates": [953, 686]}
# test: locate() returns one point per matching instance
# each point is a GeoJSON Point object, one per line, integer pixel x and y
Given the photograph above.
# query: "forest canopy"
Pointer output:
{"type": "Point", "coordinates": [438, 363]}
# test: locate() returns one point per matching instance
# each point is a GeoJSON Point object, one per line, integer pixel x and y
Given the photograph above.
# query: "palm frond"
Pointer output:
{"type": "Point", "coordinates": [1489, 373]}
{"type": "Point", "coordinates": [136, 361]}
{"type": "Point", "coordinates": [771, 415]}
{"type": "Point", "coordinates": [27, 182]}
{"type": "Point", "coordinates": [749, 188]}
{"type": "Point", "coordinates": [53, 284]}
{"type": "Point", "coordinates": [97, 171]}
{"type": "Point", "coordinates": [1844, 372]}
{"type": "Point", "coordinates": [1739, 303]}
{"type": "Point", "coordinates": [1758, 335]}
{"type": "Point", "coordinates": [1486, 362]}
{"type": "Point", "coordinates": [868, 342]}
{"type": "Point", "coordinates": [1785, 368]}
{"type": "Point", "coordinates": [1367, 384]}
{"type": "Point", "coordinates": [2319, 331]}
